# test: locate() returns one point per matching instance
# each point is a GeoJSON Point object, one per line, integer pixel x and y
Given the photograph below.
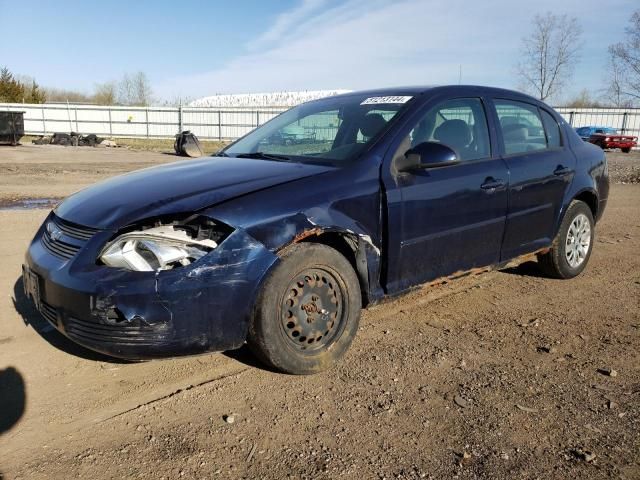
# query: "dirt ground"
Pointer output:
{"type": "Point", "coordinates": [503, 375]}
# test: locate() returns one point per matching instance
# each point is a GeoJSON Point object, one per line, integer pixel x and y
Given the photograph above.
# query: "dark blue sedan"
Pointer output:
{"type": "Point", "coordinates": [280, 244]}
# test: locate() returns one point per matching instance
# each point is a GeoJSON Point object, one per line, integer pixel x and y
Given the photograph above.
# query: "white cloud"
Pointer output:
{"type": "Point", "coordinates": [285, 22]}
{"type": "Point", "coordinates": [362, 44]}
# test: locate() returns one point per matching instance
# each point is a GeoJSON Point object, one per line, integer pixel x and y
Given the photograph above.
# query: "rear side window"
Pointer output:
{"type": "Point", "coordinates": [521, 125]}
{"type": "Point", "coordinates": [552, 128]}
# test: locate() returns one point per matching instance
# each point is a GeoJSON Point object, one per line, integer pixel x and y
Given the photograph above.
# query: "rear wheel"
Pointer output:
{"type": "Point", "coordinates": [308, 310]}
{"type": "Point", "coordinates": [625, 150]}
{"type": "Point", "coordinates": [572, 246]}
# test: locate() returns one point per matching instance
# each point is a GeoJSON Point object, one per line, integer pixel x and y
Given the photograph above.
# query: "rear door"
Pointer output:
{"type": "Point", "coordinates": [541, 169]}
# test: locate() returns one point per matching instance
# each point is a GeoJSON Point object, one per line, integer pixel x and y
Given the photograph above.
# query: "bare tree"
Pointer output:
{"type": "Point", "coordinates": [62, 95]}
{"type": "Point", "coordinates": [614, 92]}
{"type": "Point", "coordinates": [583, 99]}
{"type": "Point", "coordinates": [126, 95]}
{"type": "Point", "coordinates": [134, 89]}
{"type": "Point", "coordinates": [549, 54]}
{"type": "Point", "coordinates": [105, 93]}
{"type": "Point", "coordinates": [625, 62]}
{"type": "Point", "coordinates": [142, 89]}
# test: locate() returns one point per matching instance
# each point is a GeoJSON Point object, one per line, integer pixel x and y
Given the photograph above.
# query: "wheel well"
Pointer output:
{"type": "Point", "coordinates": [347, 246]}
{"type": "Point", "coordinates": [591, 200]}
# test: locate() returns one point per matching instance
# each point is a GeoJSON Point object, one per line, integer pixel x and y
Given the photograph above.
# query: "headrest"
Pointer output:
{"type": "Point", "coordinates": [372, 123]}
{"type": "Point", "coordinates": [508, 120]}
{"type": "Point", "coordinates": [454, 133]}
{"type": "Point", "coordinates": [515, 133]}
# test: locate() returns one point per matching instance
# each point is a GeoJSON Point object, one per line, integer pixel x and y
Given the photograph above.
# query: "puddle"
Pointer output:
{"type": "Point", "coordinates": [28, 203]}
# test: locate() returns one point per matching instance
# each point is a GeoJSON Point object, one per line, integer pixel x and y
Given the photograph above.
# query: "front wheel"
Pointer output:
{"type": "Point", "coordinates": [626, 150]}
{"type": "Point", "coordinates": [308, 310]}
{"type": "Point", "coordinates": [572, 246]}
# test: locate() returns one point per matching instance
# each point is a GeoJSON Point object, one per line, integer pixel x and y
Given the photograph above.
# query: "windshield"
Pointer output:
{"type": "Point", "coordinates": [333, 130]}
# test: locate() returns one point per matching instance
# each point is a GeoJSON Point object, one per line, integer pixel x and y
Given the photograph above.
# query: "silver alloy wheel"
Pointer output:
{"type": "Point", "coordinates": [578, 240]}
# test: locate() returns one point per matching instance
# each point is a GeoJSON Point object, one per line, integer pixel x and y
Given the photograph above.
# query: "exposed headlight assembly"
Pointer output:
{"type": "Point", "coordinates": [158, 248]}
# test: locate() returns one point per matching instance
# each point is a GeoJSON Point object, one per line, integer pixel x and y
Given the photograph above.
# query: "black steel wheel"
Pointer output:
{"type": "Point", "coordinates": [308, 310]}
{"type": "Point", "coordinates": [312, 310]}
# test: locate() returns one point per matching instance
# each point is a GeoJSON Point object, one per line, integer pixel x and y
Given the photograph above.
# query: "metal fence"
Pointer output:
{"type": "Point", "coordinates": [625, 120]}
{"type": "Point", "coordinates": [141, 122]}
{"type": "Point", "coordinates": [223, 123]}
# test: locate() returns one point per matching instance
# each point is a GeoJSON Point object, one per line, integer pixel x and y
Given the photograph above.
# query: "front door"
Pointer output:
{"type": "Point", "coordinates": [447, 219]}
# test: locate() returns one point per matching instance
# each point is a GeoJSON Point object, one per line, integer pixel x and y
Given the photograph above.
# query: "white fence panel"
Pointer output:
{"type": "Point", "coordinates": [164, 122]}
{"type": "Point", "coordinates": [625, 120]}
{"type": "Point", "coordinates": [223, 123]}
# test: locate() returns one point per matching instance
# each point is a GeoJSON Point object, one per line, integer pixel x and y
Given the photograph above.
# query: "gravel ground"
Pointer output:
{"type": "Point", "coordinates": [502, 375]}
{"type": "Point", "coordinates": [624, 168]}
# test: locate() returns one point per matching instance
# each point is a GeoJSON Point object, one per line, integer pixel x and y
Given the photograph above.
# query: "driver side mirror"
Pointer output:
{"type": "Point", "coordinates": [429, 155]}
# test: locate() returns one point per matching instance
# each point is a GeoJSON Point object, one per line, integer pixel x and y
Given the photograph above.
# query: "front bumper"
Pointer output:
{"type": "Point", "coordinates": [619, 144]}
{"type": "Point", "coordinates": [203, 307]}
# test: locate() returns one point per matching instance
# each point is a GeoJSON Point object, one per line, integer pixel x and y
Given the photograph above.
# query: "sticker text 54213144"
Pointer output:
{"type": "Point", "coordinates": [389, 99]}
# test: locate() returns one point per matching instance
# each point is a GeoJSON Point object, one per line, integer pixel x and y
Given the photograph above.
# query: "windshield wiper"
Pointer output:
{"type": "Point", "coordinates": [262, 155]}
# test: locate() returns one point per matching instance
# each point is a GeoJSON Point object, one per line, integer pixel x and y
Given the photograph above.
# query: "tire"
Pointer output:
{"type": "Point", "coordinates": [569, 254]}
{"type": "Point", "coordinates": [297, 327]}
{"type": "Point", "coordinates": [625, 150]}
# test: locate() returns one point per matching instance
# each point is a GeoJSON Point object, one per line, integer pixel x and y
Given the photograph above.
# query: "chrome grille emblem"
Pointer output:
{"type": "Point", "coordinates": [54, 232]}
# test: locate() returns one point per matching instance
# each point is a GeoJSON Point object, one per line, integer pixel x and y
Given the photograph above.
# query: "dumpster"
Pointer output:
{"type": "Point", "coordinates": [11, 127]}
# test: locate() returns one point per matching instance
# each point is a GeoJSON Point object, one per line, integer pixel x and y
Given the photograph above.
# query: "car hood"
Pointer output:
{"type": "Point", "coordinates": [179, 187]}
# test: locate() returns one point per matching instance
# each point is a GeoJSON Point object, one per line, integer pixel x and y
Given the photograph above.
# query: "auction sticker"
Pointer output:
{"type": "Point", "coordinates": [380, 100]}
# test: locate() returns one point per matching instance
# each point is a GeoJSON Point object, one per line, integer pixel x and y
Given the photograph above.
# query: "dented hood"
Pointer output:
{"type": "Point", "coordinates": [179, 187]}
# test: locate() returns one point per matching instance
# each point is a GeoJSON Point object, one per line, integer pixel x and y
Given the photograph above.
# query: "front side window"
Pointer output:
{"type": "Point", "coordinates": [460, 124]}
{"type": "Point", "coordinates": [522, 129]}
{"type": "Point", "coordinates": [333, 130]}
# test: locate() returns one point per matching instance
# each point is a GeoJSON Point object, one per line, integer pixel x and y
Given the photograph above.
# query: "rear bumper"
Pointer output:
{"type": "Point", "coordinates": [141, 315]}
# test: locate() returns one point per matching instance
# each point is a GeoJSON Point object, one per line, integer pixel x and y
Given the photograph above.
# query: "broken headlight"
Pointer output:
{"type": "Point", "coordinates": [162, 247]}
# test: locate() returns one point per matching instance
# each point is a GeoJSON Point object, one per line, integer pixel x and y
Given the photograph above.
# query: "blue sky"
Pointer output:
{"type": "Point", "coordinates": [193, 49]}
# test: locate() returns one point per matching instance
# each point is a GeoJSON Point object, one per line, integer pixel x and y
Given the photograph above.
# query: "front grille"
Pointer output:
{"type": "Point", "coordinates": [58, 247]}
{"type": "Point", "coordinates": [72, 230]}
{"type": "Point", "coordinates": [49, 313]}
{"type": "Point", "coordinates": [123, 333]}
{"type": "Point", "coordinates": [64, 239]}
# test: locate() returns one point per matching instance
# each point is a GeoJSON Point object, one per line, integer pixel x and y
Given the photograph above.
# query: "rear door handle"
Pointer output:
{"type": "Point", "coordinates": [561, 170]}
{"type": "Point", "coordinates": [492, 183]}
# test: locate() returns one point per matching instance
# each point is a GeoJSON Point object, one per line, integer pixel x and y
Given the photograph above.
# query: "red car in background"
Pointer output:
{"type": "Point", "coordinates": [614, 140]}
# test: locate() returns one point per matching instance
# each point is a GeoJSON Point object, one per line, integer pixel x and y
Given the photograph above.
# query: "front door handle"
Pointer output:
{"type": "Point", "coordinates": [492, 183]}
{"type": "Point", "coordinates": [561, 170]}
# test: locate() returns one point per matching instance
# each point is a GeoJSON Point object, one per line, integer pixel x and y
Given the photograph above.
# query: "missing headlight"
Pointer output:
{"type": "Point", "coordinates": [157, 246]}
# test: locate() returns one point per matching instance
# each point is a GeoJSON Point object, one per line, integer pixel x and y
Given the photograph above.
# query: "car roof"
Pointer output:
{"type": "Point", "coordinates": [444, 90]}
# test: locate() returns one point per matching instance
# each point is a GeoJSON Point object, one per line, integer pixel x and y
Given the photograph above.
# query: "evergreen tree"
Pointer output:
{"type": "Point", "coordinates": [11, 91]}
{"type": "Point", "coordinates": [36, 95]}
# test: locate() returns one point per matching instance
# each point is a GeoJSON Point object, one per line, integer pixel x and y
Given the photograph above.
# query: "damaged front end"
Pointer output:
{"type": "Point", "coordinates": [168, 286]}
